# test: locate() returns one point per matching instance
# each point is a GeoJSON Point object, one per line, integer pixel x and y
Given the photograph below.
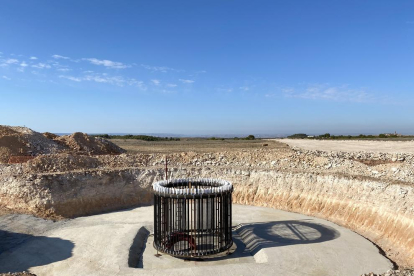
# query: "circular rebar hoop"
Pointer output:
{"type": "Point", "coordinates": [192, 217]}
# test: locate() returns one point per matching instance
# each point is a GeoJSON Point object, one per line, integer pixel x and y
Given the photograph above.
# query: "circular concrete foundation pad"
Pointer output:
{"type": "Point", "coordinates": [267, 242]}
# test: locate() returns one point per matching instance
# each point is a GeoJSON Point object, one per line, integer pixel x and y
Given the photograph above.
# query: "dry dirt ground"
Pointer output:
{"type": "Point", "coordinates": [352, 146]}
{"type": "Point", "coordinates": [194, 145]}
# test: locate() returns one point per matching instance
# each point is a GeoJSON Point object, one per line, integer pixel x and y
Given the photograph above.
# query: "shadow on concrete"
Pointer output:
{"type": "Point", "coordinates": [19, 252]}
{"type": "Point", "coordinates": [248, 239]}
{"type": "Point", "coordinates": [284, 233]}
{"type": "Point", "coordinates": [137, 248]}
{"type": "Point", "coordinates": [238, 250]}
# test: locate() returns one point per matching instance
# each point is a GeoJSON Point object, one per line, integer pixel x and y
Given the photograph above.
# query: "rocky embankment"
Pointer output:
{"type": "Point", "coordinates": [370, 193]}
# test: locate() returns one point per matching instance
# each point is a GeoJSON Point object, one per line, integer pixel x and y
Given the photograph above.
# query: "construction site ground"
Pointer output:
{"type": "Point", "coordinates": [267, 242]}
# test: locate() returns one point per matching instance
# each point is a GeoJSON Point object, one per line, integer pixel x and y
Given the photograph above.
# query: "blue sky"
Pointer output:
{"type": "Point", "coordinates": [208, 67]}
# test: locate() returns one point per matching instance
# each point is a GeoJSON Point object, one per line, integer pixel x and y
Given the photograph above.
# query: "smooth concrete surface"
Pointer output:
{"type": "Point", "coordinates": [268, 242]}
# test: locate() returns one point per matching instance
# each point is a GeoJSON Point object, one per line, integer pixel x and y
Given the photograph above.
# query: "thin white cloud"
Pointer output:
{"type": "Point", "coordinates": [5, 78]}
{"type": "Point", "coordinates": [11, 61]}
{"type": "Point", "coordinates": [186, 81]}
{"type": "Point", "coordinates": [106, 63]}
{"type": "Point", "coordinates": [331, 93]}
{"type": "Point", "coordinates": [41, 66]}
{"type": "Point", "coordinates": [171, 85]}
{"type": "Point", "coordinates": [165, 91]}
{"type": "Point", "coordinates": [226, 90]}
{"type": "Point", "coordinates": [59, 57]}
{"type": "Point", "coordinates": [24, 64]}
{"type": "Point", "coordinates": [270, 95]}
{"type": "Point", "coordinates": [105, 79]}
{"type": "Point", "coordinates": [70, 78]}
{"type": "Point", "coordinates": [64, 69]}
{"type": "Point", "coordinates": [137, 83]}
{"type": "Point", "coordinates": [244, 88]}
{"type": "Point", "coordinates": [33, 58]}
{"type": "Point", "coordinates": [8, 62]}
{"type": "Point", "coordinates": [116, 80]}
{"type": "Point", "coordinates": [156, 82]}
{"type": "Point", "coordinates": [96, 79]}
{"type": "Point", "coordinates": [196, 73]}
{"type": "Point", "coordinates": [162, 69]}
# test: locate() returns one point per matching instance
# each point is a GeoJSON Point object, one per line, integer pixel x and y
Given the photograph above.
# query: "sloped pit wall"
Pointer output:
{"type": "Point", "coordinates": [80, 193]}
{"type": "Point", "coordinates": [381, 212]}
{"type": "Point", "coordinates": [384, 213]}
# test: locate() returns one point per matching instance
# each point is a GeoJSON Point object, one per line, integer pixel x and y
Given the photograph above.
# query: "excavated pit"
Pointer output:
{"type": "Point", "coordinates": [375, 199]}
{"type": "Point", "coordinates": [267, 242]}
{"type": "Point", "coordinates": [381, 212]}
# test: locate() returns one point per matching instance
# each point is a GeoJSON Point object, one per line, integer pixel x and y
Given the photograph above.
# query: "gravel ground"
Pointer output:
{"type": "Point", "coordinates": [408, 272]}
{"type": "Point", "coordinates": [352, 146]}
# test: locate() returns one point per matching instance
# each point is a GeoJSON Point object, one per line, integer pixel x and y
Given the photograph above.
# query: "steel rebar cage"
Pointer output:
{"type": "Point", "coordinates": [192, 217]}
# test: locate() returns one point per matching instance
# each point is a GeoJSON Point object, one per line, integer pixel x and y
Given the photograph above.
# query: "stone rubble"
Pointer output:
{"type": "Point", "coordinates": [408, 272]}
{"type": "Point", "coordinates": [243, 162]}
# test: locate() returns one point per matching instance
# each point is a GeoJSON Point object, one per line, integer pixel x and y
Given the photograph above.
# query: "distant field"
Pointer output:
{"type": "Point", "coordinates": [194, 144]}
{"type": "Point", "coordinates": [352, 145]}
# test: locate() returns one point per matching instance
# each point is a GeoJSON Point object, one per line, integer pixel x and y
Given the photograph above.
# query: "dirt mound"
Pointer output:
{"type": "Point", "coordinates": [6, 131]}
{"type": "Point", "coordinates": [10, 143]}
{"type": "Point", "coordinates": [81, 143]}
{"type": "Point", "coordinates": [49, 135]}
{"type": "Point", "coordinates": [22, 141]}
{"type": "Point", "coordinates": [84, 144]}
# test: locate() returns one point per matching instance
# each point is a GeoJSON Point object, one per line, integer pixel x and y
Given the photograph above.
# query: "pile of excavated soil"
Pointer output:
{"type": "Point", "coordinates": [82, 143]}
{"type": "Point", "coordinates": [22, 141]}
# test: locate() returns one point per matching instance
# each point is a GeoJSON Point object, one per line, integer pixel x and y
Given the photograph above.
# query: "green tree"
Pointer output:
{"type": "Point", "coordinates": [298, 135]}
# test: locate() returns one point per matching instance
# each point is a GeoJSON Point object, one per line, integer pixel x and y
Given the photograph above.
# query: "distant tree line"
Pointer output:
{"type": "Point", "coordinates": [250, 137]}
{"type": "Point", "coordinates": [137, 137]}
{"type": "Point", "coordinates": [298, 136]}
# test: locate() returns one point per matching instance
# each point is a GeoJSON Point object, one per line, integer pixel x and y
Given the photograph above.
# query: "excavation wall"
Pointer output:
{"type": "Point", "coordinates": [382, 212]}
